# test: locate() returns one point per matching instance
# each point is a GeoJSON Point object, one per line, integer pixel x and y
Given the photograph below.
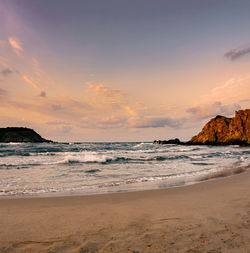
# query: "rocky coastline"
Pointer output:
{"type": "Point", "coordinates": [220, 131]}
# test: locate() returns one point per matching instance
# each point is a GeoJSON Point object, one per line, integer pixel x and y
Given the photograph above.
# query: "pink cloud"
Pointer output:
{"type": "Point", "coordinates": [16, 45]}
{"type": "Point", "coordinates": [234, 54]}
{"type": "Point", "coordinates": [30, 81]}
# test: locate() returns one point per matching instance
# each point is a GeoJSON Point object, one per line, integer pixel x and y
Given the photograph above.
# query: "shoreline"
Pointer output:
{"type": "Point", "coordinates": [211, 216]}
{"type": "Point", "coordinates": [151, 185]}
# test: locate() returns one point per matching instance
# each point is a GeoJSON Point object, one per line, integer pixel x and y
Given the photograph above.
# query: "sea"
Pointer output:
{"type": "Point", "coordinates": [62, 169]}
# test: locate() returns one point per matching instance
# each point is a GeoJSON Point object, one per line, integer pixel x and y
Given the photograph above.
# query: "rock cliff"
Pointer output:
{"type": "Point", "coordinates": [20, 134]}
{"type": "Point", "coordinates": [225, 131]}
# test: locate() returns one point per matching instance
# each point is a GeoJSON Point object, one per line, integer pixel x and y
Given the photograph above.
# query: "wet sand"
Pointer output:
{"type": "Point", "coordinates": [212, 216]}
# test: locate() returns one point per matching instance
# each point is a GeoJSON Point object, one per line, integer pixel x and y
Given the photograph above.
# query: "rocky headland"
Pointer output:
{"type": "Point", "coordinates": [221, 131]}
{"type": "Point", "coordinates": [20, 134]}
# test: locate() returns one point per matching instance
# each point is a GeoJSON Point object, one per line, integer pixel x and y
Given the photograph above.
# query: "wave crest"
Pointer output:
{"type": "Point", "coordinates": [87, 158]}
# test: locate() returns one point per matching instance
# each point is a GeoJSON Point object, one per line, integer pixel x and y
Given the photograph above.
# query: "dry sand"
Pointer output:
{"type": "Point", "coordinates": [212, 216]}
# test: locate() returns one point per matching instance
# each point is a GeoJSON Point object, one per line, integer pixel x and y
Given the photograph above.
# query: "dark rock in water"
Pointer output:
{"type": "Point", "coordinates": [171, 141]}
{"type": "Point", "coordinates": [20, 134]}
{"type": "Point", "coordinates": [225, 131]}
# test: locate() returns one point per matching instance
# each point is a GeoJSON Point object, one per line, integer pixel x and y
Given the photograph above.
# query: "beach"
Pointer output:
{"type": "Point", "coordinates": [124, 126]}
{"type": "Point", "coordinates": [212, 216]}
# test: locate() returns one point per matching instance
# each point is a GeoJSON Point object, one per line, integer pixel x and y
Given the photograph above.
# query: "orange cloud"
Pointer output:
{"type": "Point", "coordinates": [112, 122]}
{"type": "Point", "coordinates": [29, 81]}
{"type": "Point", "coordinates": [101, 95]}
{"type": "Point", "coordinates": [157, 122]}
{"type": "Point", "coordinates": [131, 111]}
{"type": "Point", "coordinates": [210, 110]}
{"type": "Point", "coordinates": [232, 91]}
{"type": "Point", "coordinates": [16, 45]}
{"type": "Point", "coordinates": [102, 108]}
{"type": "Point", "coordinates": [36, 67]}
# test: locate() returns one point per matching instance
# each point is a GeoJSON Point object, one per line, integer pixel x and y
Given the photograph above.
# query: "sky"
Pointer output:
{"type": "Point", "coordinates": [122, 70]}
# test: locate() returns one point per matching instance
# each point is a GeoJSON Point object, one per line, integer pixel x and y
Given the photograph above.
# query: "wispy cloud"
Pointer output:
{"type": "Point", "coordinates": [156, 122]}
{"type": "Point", "coordinates": [6, 71]}
{"type": "Point", "coordinates": [234, 54]}
{"type": "Point", "coordinates": [101, 109]}
{"type": "Point", "coordinates": [211, 110]}
{"type": "Point", "coordinates": [232, 91]}
{"type": "Point", "coordinates": [112, 122]}
{"type": "Point", "coordinates": [30, 81]}
{"type": "Point", "coordinates": [100, 95]}
{"type": "Point", "coordinates": [16, 45]}
{"type": "Point", "coordinates": [37, 68]}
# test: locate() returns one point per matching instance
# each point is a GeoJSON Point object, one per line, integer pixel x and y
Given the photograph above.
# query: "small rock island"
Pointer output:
{"type": "Point", "coordinates": [20, 134]}
{"type": "Point", "coordinates": [221, 131]}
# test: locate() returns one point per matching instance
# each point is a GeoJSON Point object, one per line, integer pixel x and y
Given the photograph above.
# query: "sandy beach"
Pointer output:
{"type": "Point", "coordinates": [212, 216]}
{"type": "Point", "coordinates": [124, 126]}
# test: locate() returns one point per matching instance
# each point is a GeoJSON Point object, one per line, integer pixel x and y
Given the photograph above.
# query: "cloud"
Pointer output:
{"type": "Point", "coordinates": [153, 122]}
{"type": "Point", "coordinates": [36, 67]}
{"type": "Point", "coordinates": [29, 81]}
{"type": "Point", "coordinates": [234, 54]}
{"type": "Point", "coordinates": [102, 107]}
{"type": "Point", "coordinates": [211, 110]}
{"type": "Point", "coordinates": [63, 109]}
{"type": "Point", "coordinates": [56, 107]}
{"type": "Point", "coordinates": [233, 91]}
{"type": "Point", "coordinates": [16, 45]}
{"type": "Point", "coordinates": [43, 94]}
{"type": "Point", "coordinates": [112, 122]}
{"type": "Point", "coordinates": [136, 109]}
{"type": "Point", "coordinates": [101, 95]}
{"type": "Point", "coordinates": [7, 71]}
{"type": "Point", "coordinates": [40, 75]}
{"type": "Point", "coordinates": [235, 82]}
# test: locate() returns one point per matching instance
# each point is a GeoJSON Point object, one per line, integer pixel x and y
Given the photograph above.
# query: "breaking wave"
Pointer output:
{"type": "Point", "coordinates": [27, 169]}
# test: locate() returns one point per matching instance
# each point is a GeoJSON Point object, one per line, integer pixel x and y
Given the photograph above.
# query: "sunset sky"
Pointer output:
{"type": "Point", "coordinates": [122, 70]}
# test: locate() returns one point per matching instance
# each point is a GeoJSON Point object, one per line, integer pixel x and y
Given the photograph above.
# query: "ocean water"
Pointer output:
{"type": "Point", "coordinates": [50, 169]}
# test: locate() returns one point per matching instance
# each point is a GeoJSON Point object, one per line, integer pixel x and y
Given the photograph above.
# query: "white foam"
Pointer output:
{"type": "Point", "coordinates": [85, 157]}
{"type": "Point", "coordinates": [132, 166]}
{"type": "Point", "coordinates": [142, 144]}
{"type": "Point", "coordinates": [15, 143]}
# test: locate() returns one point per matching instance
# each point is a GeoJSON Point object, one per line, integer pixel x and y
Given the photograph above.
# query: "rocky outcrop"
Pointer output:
{"type": "Point", "coordinates": [225, 131]}
{"type": "Point", "coordinates": [20, 134]}
{"type": "Point", "coordinates": [171, 141]}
